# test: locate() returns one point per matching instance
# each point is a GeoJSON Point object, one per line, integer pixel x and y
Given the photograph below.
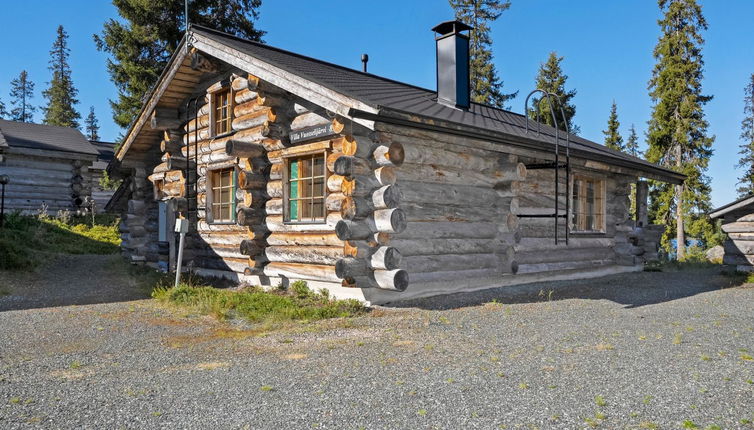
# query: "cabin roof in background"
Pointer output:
{"type": "Point", "coordinates": [386, 94]}
{"type": "Point", "coordinates": [106, 153]}
{"type": "Point", "coordinates": [746, 202]}
{"type": "Point", "coordinates": [45, 137]}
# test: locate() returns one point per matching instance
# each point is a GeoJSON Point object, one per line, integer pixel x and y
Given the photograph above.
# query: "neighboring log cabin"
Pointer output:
{"type": "Point", "coordinates": [293, 168]}
{"type": "Point", "coordinates": [738, 222]}
{"type": "Point", "coordinates": [48, 166]}
{"type": "Point", "coordinates": [101, 195]}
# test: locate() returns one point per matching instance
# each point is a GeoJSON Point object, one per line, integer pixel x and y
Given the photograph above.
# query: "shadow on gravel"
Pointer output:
{"type": "Point", "coordinates": [632, 290]}
{"type": "Point", "coordinates": [68, 280]}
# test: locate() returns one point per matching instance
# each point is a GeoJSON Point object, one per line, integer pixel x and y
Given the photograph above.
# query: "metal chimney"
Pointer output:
{"type": "Point", "coordinates": [453, 64]}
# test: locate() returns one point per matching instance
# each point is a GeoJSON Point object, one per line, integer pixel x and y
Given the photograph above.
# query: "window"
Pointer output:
{"type": "Point", "coordinates": [223, 196]}
{"type": "Point", "coordinates": [222, 105]}
{"type": "Point", "coordinates": [588, 205]}
{"type": "Point", "coordinates": [305, 188]}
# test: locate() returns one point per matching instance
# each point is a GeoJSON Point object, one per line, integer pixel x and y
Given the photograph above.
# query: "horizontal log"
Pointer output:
{"type": "Point", "coordinates": [358, 146]}
{"type": "Point", "coordinates": [738, 227]}
{"type": "Point", "coordinates": [275, 189]}
{"type": "Point", "coordinates": [449, 262]}
{"type": "Point", "coordinates": [237, 148]}
{"type": "Point", "coordinates": [386, 197]}
{"type": "Point", "coordinates": [249, 180]}
{"type": "Point", "coordinates": [334, 202]}
{"type": "Point", "coordinates": [252, 198]}
{"type": "Point", "coordinates": [459, 195]}
{"type": "Point", "coordinates": [441, 175]}
{"type": "Point", "coordinates": [334, 183]}
{"type": "Point", "coordinates": [432, 246]}
{"type": "Point", "coordinates": [533, 244]}
{"type": "Point", "coordinates": [246, 108]}
{"type": "Point", "coordinates": [382, 220]}
{"type": "Point", "coordinates": [249, 216]}
{"type": "Point", "coordinates": [350, 268]}
{"type": "Point", "coordinates": [365, 185]}
{"type": "Point", "coordinates": [426, 154]}
{"type": "Point", "coordinates": [251, 120]}
{"type": "Point", "coordinates": [196, 135]}
{"type": "Point", "coordinates": [392, 155]}
{"type": "Point", "coordinates": [423, 212]}
{"type": "Point", "coordinates": [274, 207]}
{"type": "Point", "coordinates": [252, 247]}
{"type": "Point", "coordinates": [304, 271]}
{"type": "Point", "coordinates": [449, 230]}
{"type": "Point", "coordinates": [304, 239]}
{"type": "Point", "coordinates": [560, 266]}
{"type": "Point", "coordinates": [307, 119]}
{"type": "Point", "coordinates": [739, 247]}
{"type": "Point", "coordinates": [564, 254]}
{"type": "Point", "coordinates": [354, 208]}
{"type": "Point", "coordinates": [165, 119]}
{"type": "Point", "coordinates": [394, 280]}
{"type": "Point", "coordinates": [351, 166]}
{"type": "Point", "coordinates": [245, 95]}
{"type": "Point", "coordinates": [275, 223]}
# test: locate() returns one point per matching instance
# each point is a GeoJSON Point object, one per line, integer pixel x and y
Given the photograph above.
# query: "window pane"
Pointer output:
{"type": "Point", "coordinates": [319, 166]}
{"type": "Point", "coordinates": [319, 208]}
{"type": "Point", "coordinates": [306, 167]}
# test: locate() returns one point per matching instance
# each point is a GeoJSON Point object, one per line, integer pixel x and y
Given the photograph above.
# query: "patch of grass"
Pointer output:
{"type": "Point", "coordinates": [677, 339]}
{"type": "Point", "coordinates": [421, 412]}
{"type": "Point", "coordinates": [746, 357]}
{"type": "Point", "coordinates": [24, 236]}
{"type": "Point", "coordinates": [75, 364]}
{"type": "Point", "coordinates": [688, 424]}
{"type": "Point", "coordinates": [256, 305]}
{"type": "Point", "coordinates": [649, 425]}
{"type": "Point", "coordinates": [600, 401]}
{"type": "Point", "coordinates": [266, 388]}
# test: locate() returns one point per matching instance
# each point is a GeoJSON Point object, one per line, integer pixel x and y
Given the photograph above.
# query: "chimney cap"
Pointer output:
{"type": "Point", "coordinates": [451, 27]}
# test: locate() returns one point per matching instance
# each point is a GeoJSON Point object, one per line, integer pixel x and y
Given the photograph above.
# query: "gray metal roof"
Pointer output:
{"type": "Point", "coordinates": [386, 94]}
{"type": "Point", "coordinates": [45, 137]}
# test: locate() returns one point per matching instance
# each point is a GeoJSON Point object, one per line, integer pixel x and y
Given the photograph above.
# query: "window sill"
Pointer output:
{"type": "Point", "coordinates": [588, 233]}
{"type": "Point", "coordinates": [304, 222]}
{"type": "Point", "coordinates": [226, 134]}
{"type": "Point", "coordinates": [221, 222]}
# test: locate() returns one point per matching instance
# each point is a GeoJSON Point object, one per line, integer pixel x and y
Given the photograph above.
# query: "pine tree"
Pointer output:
{"type": "Point", "coordinates": [632, 144]}
{"type": "Point", "coordinates": [91, 125]}
{"type": "Point", "coordinates": [21, 93]}
{"type": "Point", "coordinates": [746, 182]}
{"type": "Point", "coordinates": [613, 139]}
{"type": "Point", "coordinates": [147, 33]}
{"type": "Point", "coordinates": [677, 135]}
{"type": "Point", "coordinates": [486, 86]}
{"type": "Point", "coordinates": [61, 94]}
{"type": "Point", "coordinates": [3, 112]}
{"type": "Point", "coordinates": [551, 79]}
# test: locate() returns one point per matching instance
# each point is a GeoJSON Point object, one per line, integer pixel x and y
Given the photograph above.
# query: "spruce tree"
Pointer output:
{"type": "Point", "coordinates": [552, 79]}
{"type": "Point", "coordinates": [677, 135]}
{"type": "Point", "coordinates": [147, 33]}
{"type": "Point", "coordinates": [3, 111]}
{"type": "Point", "coordinates": [746, 182]}
{"type": "Point", "coordinates": [486, 86]}
{"type": "Point", "coordinates": [61, 94]}
{"type": "Point", "coordinates": [21, 93]}
{"type": "Point", "coordinates": [632, 144]}
{"type": "Point", "coordinates": [613, 139]}
{"type": "Point", "coordinates": [92, 125]}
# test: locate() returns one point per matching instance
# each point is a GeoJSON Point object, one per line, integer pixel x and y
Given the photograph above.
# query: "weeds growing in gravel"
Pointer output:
{"type": "Point", "coordinates": [257, 305]}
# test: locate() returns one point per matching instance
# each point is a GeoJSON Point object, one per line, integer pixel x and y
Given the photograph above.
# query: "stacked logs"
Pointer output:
{"type": "Point", "coordinates": [80, 187]}
{"type": "Point", "coordinates": [134, 232]}
{"type": "Point", "coordinates": [370, 213]}
{"type": "Point", "coordinates": [259, 121]}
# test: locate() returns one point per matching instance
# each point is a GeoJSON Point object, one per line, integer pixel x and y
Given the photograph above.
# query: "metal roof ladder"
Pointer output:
{"type": "Point", "coordinates": [556, 165]}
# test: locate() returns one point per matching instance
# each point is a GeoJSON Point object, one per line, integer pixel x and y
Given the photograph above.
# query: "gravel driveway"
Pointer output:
{"type": "Point", "coordinates": [643, 350]}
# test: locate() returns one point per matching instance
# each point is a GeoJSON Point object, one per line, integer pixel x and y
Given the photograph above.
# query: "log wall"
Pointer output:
{"type": "Point", "coordinates": [739, 247]}
{"type": "Point", "coordinates": [405, 207]}
{"type": "Point", "coordinates": [58, 183]}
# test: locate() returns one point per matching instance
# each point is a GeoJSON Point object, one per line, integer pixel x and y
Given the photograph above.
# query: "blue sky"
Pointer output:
{"type": "Point", "coordinates": [607, 48]}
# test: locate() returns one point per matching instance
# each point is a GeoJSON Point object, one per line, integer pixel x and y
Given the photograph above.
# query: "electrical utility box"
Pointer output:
{"type": "Point", "coordinates": [181, 225]}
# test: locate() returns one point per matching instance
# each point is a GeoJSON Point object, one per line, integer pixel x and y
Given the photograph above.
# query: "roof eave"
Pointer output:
{"type": "Point", "coordinates": [396, 117]}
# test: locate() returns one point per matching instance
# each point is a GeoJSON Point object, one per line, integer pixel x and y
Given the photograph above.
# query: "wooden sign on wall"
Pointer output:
{"type": "Point", "coordinates": [310, 133]}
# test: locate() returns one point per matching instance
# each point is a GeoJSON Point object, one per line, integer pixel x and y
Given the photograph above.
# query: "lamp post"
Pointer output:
{"type": "Point", "coordinates": [3, 181]}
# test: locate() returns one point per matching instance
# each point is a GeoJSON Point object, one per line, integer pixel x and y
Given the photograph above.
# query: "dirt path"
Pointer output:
{"type": "Point", "coordinates": [70, 280]}
{"type": "Point", "coordinates": [636, 351]}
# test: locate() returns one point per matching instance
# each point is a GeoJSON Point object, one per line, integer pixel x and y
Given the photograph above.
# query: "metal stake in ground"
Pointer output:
{"type": "Point", "coordinates": [3, 181]}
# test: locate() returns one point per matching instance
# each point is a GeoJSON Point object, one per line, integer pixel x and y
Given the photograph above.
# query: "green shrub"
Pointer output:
{"type": "Point", "coordinates": [257, 305]}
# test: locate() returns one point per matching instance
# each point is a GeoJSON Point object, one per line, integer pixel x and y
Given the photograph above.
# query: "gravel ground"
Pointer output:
{"type": "Point", "coordinates": [643, 350]}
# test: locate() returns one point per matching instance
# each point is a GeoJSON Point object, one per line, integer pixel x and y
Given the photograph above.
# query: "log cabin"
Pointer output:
{"type": "Point", "coordinates": [738, 223]}
{"type": "Point", "coordinates": [288, 167]}
{"type": "Point", "coordinates": [47, 165]}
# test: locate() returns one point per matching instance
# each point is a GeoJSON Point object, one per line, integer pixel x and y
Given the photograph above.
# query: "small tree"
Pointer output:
{"type": "Point", "coordinates": [746, 182]}
{"type": "Point", "coordinates": [21, 93]}
{"type": "Point", "coordinates": [613, 139]}
{"type": "Point", "coordinates": [92, 125]}
{"type": "Point", "coordinates": [486, 86]}
{"type": "Point", "coordinates": [552, 79]}
{"type": "Point", "coordinates": [61, 94]}
{"type": "Point", "coordinates": [632, 144]}
{"type": "Point", "coordinates": [3, 112]}
{"type": "Point", "coordinates": [108, 184]}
